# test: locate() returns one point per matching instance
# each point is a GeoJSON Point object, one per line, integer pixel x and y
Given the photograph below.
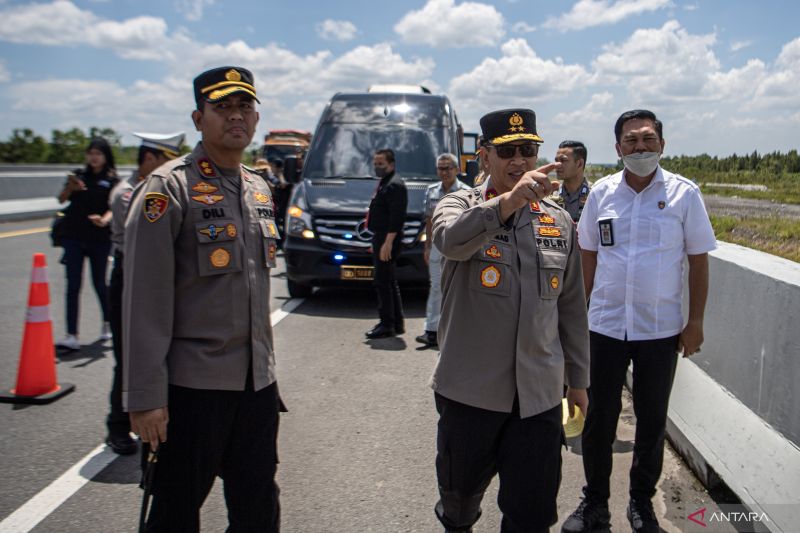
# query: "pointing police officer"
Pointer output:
{"type": "Point", "coordinates": [513, 326]}
{"type": "Point", "coordinates": [199, 367]}
{"type": "Point", "coordinates": [155, 150]}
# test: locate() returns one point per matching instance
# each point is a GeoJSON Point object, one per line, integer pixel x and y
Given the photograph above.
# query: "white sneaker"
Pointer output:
{"type": "Point", "coordinates": [105, 333]}
{"type": "Point", "coordinates": [70, 342]}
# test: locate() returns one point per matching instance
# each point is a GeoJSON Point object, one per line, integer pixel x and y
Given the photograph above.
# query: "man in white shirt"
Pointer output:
{"type": "Point", "coordinates": [447, 169]}
{"type": "Point", "coordinates": [637, 227]}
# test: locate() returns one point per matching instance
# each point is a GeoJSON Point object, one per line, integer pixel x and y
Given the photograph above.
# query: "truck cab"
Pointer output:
{"type": "Point", "coordinates": [326, 240]}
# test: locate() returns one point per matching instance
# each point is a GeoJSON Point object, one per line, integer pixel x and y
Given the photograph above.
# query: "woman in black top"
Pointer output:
{"type": "Point", "coordinates": [86, 233]}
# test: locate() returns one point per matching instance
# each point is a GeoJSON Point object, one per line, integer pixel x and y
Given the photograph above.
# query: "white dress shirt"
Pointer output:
{"type": "Point", "coordinates": [638, 283]}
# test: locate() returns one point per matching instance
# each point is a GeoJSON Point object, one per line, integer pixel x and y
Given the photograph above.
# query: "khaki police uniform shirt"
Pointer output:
{"type": "Point", "coordinates": [118, 201]}
{"type": "Point", "coordinates": [513, 305]}
{"type": "Point", "coordinates": [198, 248]}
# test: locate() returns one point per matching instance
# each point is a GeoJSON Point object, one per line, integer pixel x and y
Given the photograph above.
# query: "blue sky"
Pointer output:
{"type": "Point", "coordinates": [722, 75]}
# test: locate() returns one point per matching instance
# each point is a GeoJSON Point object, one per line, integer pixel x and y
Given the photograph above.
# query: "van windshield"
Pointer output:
{"type": "Point", "coordinates": [347, 149]}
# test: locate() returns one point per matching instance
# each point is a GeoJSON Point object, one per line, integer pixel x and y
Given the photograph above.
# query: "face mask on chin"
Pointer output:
{"type": "Point", "coordinates": [641, 164]}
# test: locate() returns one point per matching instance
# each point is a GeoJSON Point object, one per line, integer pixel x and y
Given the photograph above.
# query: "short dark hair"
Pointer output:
{"type": "Point", "coordinates": [578, 148]}
{"type": "Point", "coordinates": [637, 113]}
{"type": "Point", "coordinates": [388, 153]}
{"type": "Point", "coordinates": [144, 150]}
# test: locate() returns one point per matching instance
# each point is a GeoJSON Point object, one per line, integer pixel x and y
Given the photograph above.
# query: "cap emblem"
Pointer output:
{"type": "Point", "coordinates": [233, 75]}
{"type": "Point", "coordinates": [516, 123]}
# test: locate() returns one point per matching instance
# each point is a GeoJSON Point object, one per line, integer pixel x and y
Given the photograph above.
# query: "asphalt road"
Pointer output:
{"type": "Point", "coordinates": [357, 447]}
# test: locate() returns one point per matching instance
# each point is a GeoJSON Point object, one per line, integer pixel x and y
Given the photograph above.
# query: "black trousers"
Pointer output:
{"type": "Point", "coordinates": [390, 304]}
{"type": "Point", "coordinates": [231, 434]}
{"type": "Point", "coordinates": [117, 421]}
{"type": "Point", "coordinates": [474, 444]}
{"type": "Point", "coordinates": [654, 363]}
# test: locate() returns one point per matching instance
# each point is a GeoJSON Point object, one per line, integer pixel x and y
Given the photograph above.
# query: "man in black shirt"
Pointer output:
{"type": "Point", "coordinates": [387, 213]}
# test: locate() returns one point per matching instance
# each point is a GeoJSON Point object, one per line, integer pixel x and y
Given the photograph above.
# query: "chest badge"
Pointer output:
{"type": "Point", "coordinates": [554, 281]}
{"type": "Point", "coordinates": [205, 188]}
{"type": "Point", "coordinates": [546, 219]}
{"type": "Point", "coordinates": [155, 205]}
{"type": "Point", "coordinates": [212, 231]}
{"type": "Point", "coordinates": [493, 251]}
{"type": "Point", "coordinates": [261, 197]}
{"type": "Point", "coordinates": [230, 229]}
{"type": "Point", "coordinates": [220, 258]}
{"type": "Point", "coordinates": [662, 204]}
{"type": "Point", "coordinates": [490, 277]}
{"type": "Point", "coordinates": [208, 199]}
{"type": "Point", "coordinates": [545, 231]}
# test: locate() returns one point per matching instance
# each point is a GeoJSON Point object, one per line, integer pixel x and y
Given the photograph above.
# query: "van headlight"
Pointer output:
{"type": "Point", "coordinates": [298, 223]}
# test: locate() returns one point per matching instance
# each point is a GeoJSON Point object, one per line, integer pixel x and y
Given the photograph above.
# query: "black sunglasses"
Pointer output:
{"type": "Point", "coordinates": [507, 151]}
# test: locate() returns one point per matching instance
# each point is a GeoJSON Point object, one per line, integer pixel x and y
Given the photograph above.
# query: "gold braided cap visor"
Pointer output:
{"type": "Point", "coordinates": [516, 137]}
{"type": "Point", "coordinates": [225, 88]}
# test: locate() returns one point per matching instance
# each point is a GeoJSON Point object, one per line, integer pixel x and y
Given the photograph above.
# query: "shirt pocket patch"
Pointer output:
{"type": "Point", "coordinates": [489, 278]}
{"type": "Point", "coordinates": [552, 264]}
{"type": "Point", "coordinates": [215, 258]}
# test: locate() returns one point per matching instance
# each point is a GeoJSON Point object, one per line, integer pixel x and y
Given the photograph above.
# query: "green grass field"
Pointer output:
{"type": "Point", "coordinates": [774, 235]}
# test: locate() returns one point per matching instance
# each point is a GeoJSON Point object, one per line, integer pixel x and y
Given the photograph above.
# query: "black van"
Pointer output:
{"type": "Point", "coordinates": [326, 238]}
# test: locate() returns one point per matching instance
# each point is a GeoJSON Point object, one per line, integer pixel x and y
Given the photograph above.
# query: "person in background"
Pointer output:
{"type": "Point", "coordinates": [574, 188]}
{"type": "Point", "coordinates": [155, 150]}
{"type": "Point", "coordinates": [385, 219]}
{"type": "Point", "coordinates": [447, 169]}
{"type": "Point", "coordinates": [86, 234]}
{"type": "Point", "coordinates": [638, 228]}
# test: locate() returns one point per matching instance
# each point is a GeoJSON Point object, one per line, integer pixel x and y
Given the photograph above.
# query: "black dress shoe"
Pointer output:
{"type": "Point", "coordinates": [400, 328]}
{"type": "Point", "coordinates": [380, 332]}
{"type": "Point", "coordinates": [121, 444]}
{"type": "Point", "coordinates": [428, 339]}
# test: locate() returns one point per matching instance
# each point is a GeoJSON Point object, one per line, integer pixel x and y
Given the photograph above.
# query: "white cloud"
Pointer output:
{"type": "Point", "coordinates": [588, 13]}
{"type": "Point", "coordinates": [62, 23]}
{"type": "Point", "coordinates": [518, 77]}
{"type": "Point", "coordinates": [192, 9]}
{"type": "Point", "coordinates": [779, 87]}
{"type": "Point", "coordinates": [739, 45]}
{"type": "Point", "coordinates": [442, 23]}
{"type": "Point", "coordinates": [336, 30]}
{"type": "Point", "coordinates": [5, 75]}
{"type": "Point", "coordinates": [663, 64]}
{"type": "Point", "coordinates": [691, 7]}
{"type": "Point", "coordinates": [596, 110]}
{"type": "Point", "coordinates": [523, 27]}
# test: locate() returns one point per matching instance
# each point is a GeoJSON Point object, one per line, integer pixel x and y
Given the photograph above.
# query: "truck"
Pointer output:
{"type": "Point", "coordinates": [326, 239]}
{"type": "Point", "coordinates": [279, 144]}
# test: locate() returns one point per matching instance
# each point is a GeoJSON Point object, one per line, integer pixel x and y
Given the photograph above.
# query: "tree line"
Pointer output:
{"type": "Point", "coordinates": [758, 167]}
{"type": "Point", "coordinates": [64, 146]}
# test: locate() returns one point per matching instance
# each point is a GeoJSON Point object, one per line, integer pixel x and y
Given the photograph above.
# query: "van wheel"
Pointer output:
{"type": "Point", "coordinates": [298, 290]}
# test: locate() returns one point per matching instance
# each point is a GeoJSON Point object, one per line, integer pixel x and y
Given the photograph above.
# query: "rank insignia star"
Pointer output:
{"type": "Point", "coordinates": [535, 207]}
{"type": "Point", "coordinates": [205, 167]}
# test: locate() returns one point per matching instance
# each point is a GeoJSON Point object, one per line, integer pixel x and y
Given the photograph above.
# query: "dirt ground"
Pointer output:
{"type": "Point", "coordinates": [749, 207]}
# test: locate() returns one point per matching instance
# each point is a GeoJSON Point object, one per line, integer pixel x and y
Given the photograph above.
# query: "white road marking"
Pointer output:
{"type": "Point", "coordinates": [51, 497]}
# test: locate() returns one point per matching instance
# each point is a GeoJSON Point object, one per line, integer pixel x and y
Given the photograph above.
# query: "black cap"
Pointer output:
{"type": "Point", "coordinates": [218, 83]}
{"type": "Point", "coordinates": [509, 125]}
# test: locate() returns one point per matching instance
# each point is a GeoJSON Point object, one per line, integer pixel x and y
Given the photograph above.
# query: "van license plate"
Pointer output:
{"type": "Point", "coordinates": [351, 273]}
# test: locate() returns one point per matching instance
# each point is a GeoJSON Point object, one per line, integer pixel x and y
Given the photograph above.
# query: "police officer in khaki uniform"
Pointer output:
{"type": "Point", "coordinates": [513, 326]}
{"type": "Point", "coordinates": [198, 354]}
{"type": "Point", "coordinates": [574, 188]}
{"type": "Point", "coordinates": [155, 150]}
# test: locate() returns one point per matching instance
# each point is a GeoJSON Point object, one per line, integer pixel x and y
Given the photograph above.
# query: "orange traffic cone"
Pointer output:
{"type": "Point", "coordinates": [36, 377]}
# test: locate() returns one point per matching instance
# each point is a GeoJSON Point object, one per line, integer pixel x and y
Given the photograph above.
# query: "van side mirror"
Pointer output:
{"type": "Point", "coordinates": [473, 167]}
{"type": "Point", "coordinates": [290, 173]}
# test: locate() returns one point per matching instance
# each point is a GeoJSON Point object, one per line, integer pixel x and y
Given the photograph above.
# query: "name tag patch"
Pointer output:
{"type": "Point", "coordinates": [606, 232]}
